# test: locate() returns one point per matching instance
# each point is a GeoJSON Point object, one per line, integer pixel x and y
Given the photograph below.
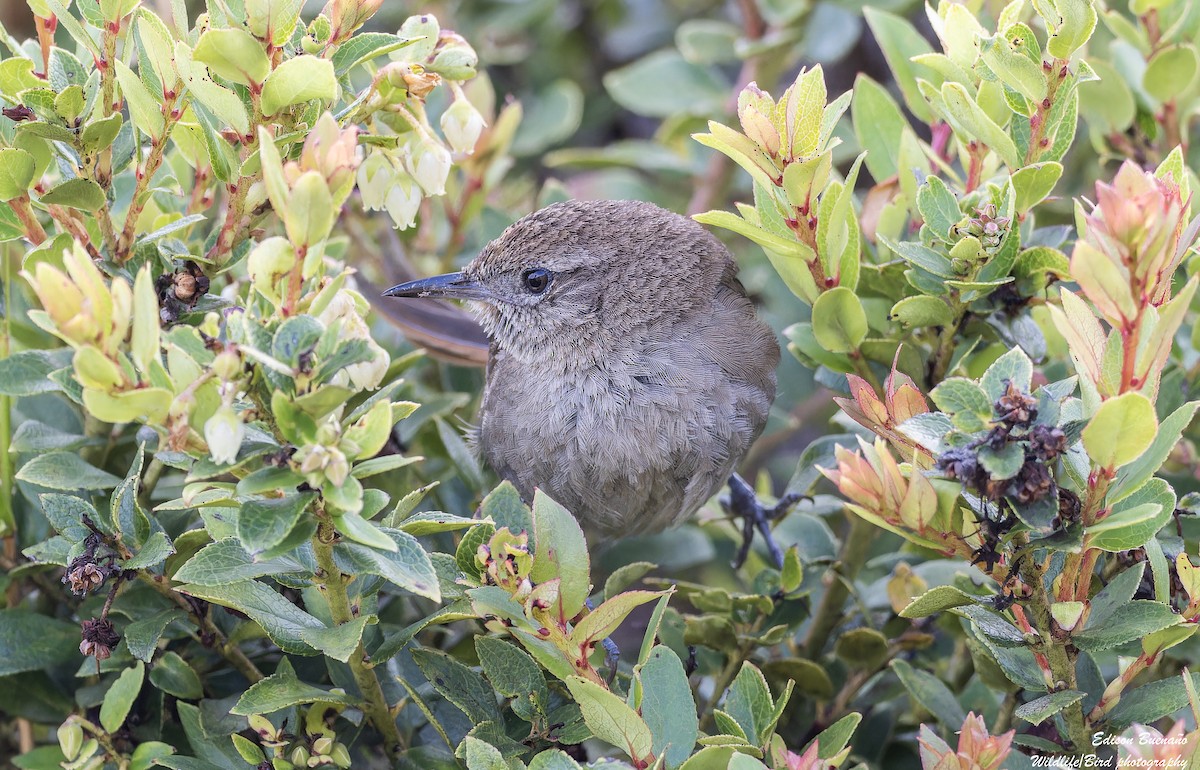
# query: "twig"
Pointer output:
{"type": "Point", "coordinates": [332, 584]}
{"type": "Point", "coordinates": [855, 548]}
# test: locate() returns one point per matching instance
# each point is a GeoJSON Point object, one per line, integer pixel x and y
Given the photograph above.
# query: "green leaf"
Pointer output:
{"type": "Point", "coordinates": [862, 647]}
{"type": "Point", "coordinates": [1074, 25]}
{"type": "Point", "coordinates": [16, 173]}
{"type": "Point", "coordinates": [1119, 592]}
{"type": "Point", "coordinates": [750, 704]}
{"type": "Point", "coordinates": [928, 430]}
{"type": "Point", "coordinates": [120, 697]}
{"type": "Point", "coordinates": [839, 320]}
{"type": "Point", "coordinates": [221, 103]}
{"type": "Point", "coordinates": [154, 551]}
{"type": "Point", "coordinates": [1134, 520]}
{"type": "Point", "coordinates": [938, 207]}
{"type": "Point", "coordinates": [141, 636]}
{"type": "Point", "coordinates": [173, 675]}
{"type": "Point", "coordinates": [282, 690]}
{"type": "Point", "coordinates": [900, 42]}
{"type": "Point", "coordinates": [1125, 624]}
{"type": "Point", "coordinates": [667, 706]}
{"type": "Point", "coordinates": [226, 562]}
{"type": "Point", "coordinates": [833, 739]}
{"type": "Point", "coordinates": [1003, 463]}
{"type": "Point", "coordinates": [65, 470]}
{"type": "Point", "coordinates": [962, 397]}
{"type": "Point", "coordinates": [264, 523]}
{"type": "Point", "coordinates": [601, 622]}
{"type": "Point", "coordinates": [929, 691]}
{"type": "Point", "coordinates": [144, 110]}
{"type": "Point", "coordinates": [77, 193]}
{"type": "Point", "coordinates": [338, 642]}
{"type": "Point", "coordinates": [298, 80]}
{"type": "Point", "coordinates": [458, 684]}
{"type": "Point", "coordinates": [1133, 475]}
{"type": "Point", "coordinates": [408, 566]}
{"type": "Point", "coordinates": [553, 759]}
{"type": "Point", "coordinates": [935, 600]}
{"type": "Point", "coordinates": [1150, 702]}
{"type": "Point", "coordinates": [1171, 72]}
{"type": "Point", "coordinates": [1122, 429]}
{"type": "Point", "coordinates": [461, 455]}
{"type": "Point", "coordinates": [364, 47]}
{"type": "Point", "coordinates": [611, 719]}
{"type": "Point", "coordinates": [513, 674]}
{"type": "Point", "coordinates": [1041, 709]}
{"type": "Point", "coordinates": [878, 124]}
{"type": "Point", "coordinates": [1015, 367]}
{"type": "Point", "coordinates": [100, 134]}
{"type": "Point", "coordinates": [1033, 183]}
{"type": "Point", "coordinates": [27, 372]}
{"type": "Point", "coordinates": [30, 641]}
{"type": "Point", "coordinates": [233, 54]}
{"type": "Point", "coordinates": [282, 620]}
{"type": "Point", "coordinates": [922, 311]}
{"type": "Point", "coordinates": [561, 552]}
{"type": "Point", "coordinates": [432, 522]}
{"type": "Point", "coordinates": [665, 84]}
{"type": "Point", "coordinates": [972, 122]}
{"type": "Point", "coordinates": [1012, 65]}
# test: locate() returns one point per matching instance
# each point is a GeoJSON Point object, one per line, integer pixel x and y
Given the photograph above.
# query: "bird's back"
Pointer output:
{"type": "Point", "coordinates": [635, 438]}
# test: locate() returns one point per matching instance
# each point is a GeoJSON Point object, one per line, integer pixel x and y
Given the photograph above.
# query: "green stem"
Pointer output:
{"type": "Point", "coordinates": [8, 522]}
{"type": "Point", "coordinates": [332, 584]}
{"type": "Point", "coordinates": [945, 350]}
{"type": "Point", "coordinates": [1054, 647]}
{"type": "Point", "coordinates": [228, 650]}
{"type": "Point", "coordinates": [154, 471]}
{"type": "Point", "coordinates": [855, 548]}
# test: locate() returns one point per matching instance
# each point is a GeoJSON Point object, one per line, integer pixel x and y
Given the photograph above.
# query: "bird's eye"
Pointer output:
{"type": "Point", "coordinates": [536, 279]}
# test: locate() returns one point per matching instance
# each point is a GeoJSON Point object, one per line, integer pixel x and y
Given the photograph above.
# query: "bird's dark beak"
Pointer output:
{"type": "Point", "coordinates": [450, 285]}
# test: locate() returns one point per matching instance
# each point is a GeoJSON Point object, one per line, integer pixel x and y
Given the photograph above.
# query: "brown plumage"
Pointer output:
{"type": "Point", "coordinates": [628, 373]}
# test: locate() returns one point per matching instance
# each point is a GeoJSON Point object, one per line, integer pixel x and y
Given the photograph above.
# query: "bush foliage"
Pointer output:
{"type": "Point", "coordinates": [242, 527]}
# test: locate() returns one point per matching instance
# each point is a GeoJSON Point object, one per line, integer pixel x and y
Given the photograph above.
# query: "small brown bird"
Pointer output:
{"type": "Point", "coordinates": [628, 372]}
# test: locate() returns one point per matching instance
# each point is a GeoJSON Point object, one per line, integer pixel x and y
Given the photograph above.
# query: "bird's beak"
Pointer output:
{"type": "Point", "coordinates": [450, 285]}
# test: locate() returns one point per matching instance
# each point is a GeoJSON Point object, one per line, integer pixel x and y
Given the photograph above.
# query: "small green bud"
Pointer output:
{"type": "Point", "coordinates": [323, 745]}
{"type": "Point", "coordinates": [462, 125]}
{"type": "Point", "coordinates": [70, 739]}
{"type": "Point", "coordinates": [227, 365]}
{"type": "Point", "coordinates": [340, 755]}
{"type": "Point", "coordinates": [299, 756]}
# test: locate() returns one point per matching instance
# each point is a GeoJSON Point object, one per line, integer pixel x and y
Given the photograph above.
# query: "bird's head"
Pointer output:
{"type": "Point", "coordinates": [591, 272]}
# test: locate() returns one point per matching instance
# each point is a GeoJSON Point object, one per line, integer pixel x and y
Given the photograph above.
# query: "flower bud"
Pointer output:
{"type": "Point", "coordinates": [403, 201]}
{"type": "Point", "coordinates": [299, 756]}
{"type": "Point", "coordinates": [59, 296]}
{"type": "Point", "coordinates": [322, 745]}
{"type": "Point", "coordinates": [70, 739]}
{"type": "Point", "coordinates": [224, 432]}
{"type": "Point", "coordinates": [227, 365]}
{"type": "Point", "coordinates": [366, 375]}
{"type": "Point", "coordinates": [375, 180]}
{"type": "Point", "coordinates": [333, 152]}
{"type": "Point", "coordinates": [429, 163]}
{"type": "Point", "coordinates": [454, 58]}
{"type": "Point", "coordinates": [337, 468]}
{"type": "Point", "coordinates": [462, 124]}
{"type": "Point", "coordinates": [340, 755]}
